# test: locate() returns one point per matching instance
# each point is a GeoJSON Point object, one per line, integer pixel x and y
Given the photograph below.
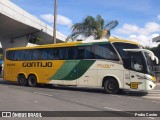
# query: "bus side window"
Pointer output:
{"type": "Point", "coordinates": [43, 54]}
{"type": "Point", "coordinates": [56, 54]}
{"type": "Point", "coordinates": [21, 55]}
{"type": "Point", "coordinates": [17, 55]}
{"type": "Point", "coordinates": [28, 55]}
{"type": "Point", "coordinates": [63, 53]}
{"type": "Point", "coordinates": [36, 54]}
{"type": "Point", "coordinates": [10, 55]}
{"type": "Point", "coordinates": [72, 53]}
{"type": "Point", "coordinates": [89, 53]}
{"type": "Point", "coordinates": [105, 51]}
{"type": "Point", "coordinates": [81, 53]}
{"type": "Point", "coordinates": [50, 53]}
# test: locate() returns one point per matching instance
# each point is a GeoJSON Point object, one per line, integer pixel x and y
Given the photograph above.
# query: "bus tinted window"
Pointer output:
{"type": "Point", "coordinates": [35, 55]}
{"type": "Point", "coordinates": [17, 55]}
{"type": "Point", "coordinates": [63, 53]}
{"type": "Point", "coordinates": [56, 54]}
{"type": "Point", "coordinates": [121, 46]}
{"type": "Point", "coordinates": [50, 54]}
{"type": "Point", "coordinates": [89, 52]}
{"type": "Point", "coordinates": [125, 55]}
{"type": "Point", "coordinates": [28, 54]}
{"type": "Point", "coordinates": [105, 51]}
{"type": "Point", "coordinates": [10, 55]}
{"type": "Point", "coordinates": [81, 53]}
{"type": "Point", "coordinates": [43, 54]}
{"type": "Point", "coordinates": [72, 53]}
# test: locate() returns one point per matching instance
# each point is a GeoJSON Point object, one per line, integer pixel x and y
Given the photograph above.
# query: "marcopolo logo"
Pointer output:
{"type": "Point", "coordinates": [37, 64]}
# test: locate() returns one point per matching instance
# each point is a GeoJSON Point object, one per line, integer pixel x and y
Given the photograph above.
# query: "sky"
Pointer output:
{"type": "Point", "coordinates": [139, 20]}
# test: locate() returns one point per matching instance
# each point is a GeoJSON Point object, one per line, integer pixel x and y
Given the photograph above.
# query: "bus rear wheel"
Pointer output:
{"type": "Point", "coordinates": [111, 86]}
{"type": "Point", "coordinates": [32, 81]}
{"type": "Point", "coordinates": [22, 80]}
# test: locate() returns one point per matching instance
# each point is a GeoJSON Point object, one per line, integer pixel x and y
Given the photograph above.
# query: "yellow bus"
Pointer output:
{"type": "Point", "coordinates": [113, 64]}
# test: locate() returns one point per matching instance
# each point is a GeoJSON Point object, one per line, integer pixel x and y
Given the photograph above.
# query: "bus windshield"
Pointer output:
{"type": "Point", "coordinates": [131, 55]}
{"type": "Point", "coordinates": [150, 68]}
{"type": "Point", "coordinates": [125, 55]}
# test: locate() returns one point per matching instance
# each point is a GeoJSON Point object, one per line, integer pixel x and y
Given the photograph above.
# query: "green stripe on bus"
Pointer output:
{"type": "Point", "coordinates": [93, 43]}
{"type": "Point", "coordinates": [72, 70]}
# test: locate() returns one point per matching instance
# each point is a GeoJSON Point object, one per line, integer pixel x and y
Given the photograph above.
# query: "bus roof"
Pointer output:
{"type": "Point", "coordinates": [77, 43]}
{"type": "Point", "coordinates": [112, 40]}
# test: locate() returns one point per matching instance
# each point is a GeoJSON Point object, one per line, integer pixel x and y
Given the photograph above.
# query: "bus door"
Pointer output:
{"type": "Point", "coordinates": [136, 73]}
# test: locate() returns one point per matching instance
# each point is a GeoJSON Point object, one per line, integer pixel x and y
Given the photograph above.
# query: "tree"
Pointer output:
{"type": "Point", "coordinates": [91, 26]}
{"type": "Point", "coordinates": [34, 39]}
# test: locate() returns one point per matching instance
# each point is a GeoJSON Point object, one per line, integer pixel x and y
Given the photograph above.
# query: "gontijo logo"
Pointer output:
{"type": "Point", "coordinates": [37, 64]}
{"type": "Point", "coordinates": [134, 85]}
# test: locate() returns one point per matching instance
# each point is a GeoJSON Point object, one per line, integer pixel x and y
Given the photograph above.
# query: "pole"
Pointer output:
{"type": "Point", "coordinates": [55, 21]}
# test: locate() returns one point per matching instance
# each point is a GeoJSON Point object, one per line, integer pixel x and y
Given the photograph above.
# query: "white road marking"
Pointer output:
{"type": "Point", "coordinates": [116, 95]}
{"type": "Point", "coordinates": [152, 97]}
{"type": "Point", "coordinates": [135, 98]}
{"type": "Point", "coordinates": [155, 101]}
{"type": "Point", "coordinates": [154, 92]}
{"type": "Point", "coordinates": [43, 94]}
{"type": "Point", "coordinates": [3, 86]}
{"type": "Point", "coordinates": [142, 98]}
{"type": "Point", "coordinates": [112, 109]}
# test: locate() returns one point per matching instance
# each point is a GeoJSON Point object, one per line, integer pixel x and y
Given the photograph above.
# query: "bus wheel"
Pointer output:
{"type": "Point", "coordinates": [22, 80]}
{"type": "Point", "coordinates": [111, 86]}
{"type": "Point", "coordinates": [32, 81]}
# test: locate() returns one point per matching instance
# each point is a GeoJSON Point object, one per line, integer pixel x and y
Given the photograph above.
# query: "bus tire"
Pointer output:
{"type": "Point", "coordinates": [111, 86]}
{"type": "Point", "coordinates": [32, 81]}
{"type": "Point", "coordinates": [22, 80]}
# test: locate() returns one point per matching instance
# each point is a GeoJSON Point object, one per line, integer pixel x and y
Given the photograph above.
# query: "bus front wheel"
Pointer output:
{"type": "Point", "coordinates": [111, 86]}
{"type": "Point", "coordinates": [22, 80]}
{"type": "Point", "coordinates": [32, 81]}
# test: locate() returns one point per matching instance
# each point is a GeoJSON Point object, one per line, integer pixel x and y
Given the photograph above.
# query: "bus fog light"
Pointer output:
{"type": "Point", "coordinates": [150, 86]}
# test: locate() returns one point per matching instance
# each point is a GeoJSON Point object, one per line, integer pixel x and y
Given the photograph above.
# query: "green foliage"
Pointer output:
{"type": "Point", "coordinates": [91, 26]}
{"type": "Point", "coordinates": [2, 56]}
{"type": "Point", "coordinates": [34, 40]}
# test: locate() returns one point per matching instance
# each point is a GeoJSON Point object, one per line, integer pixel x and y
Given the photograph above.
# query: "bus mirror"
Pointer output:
{"type": "Point", "coordinates": [157, 60]}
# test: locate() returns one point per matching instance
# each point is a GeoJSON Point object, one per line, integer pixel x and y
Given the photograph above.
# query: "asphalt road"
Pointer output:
{"type": "Point", "coordinates": [19, 98]}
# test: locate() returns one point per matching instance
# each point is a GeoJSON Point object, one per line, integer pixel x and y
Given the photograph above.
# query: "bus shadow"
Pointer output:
{"type": "Point", "coordinates": [96, 90]}
{"type": "Point", "coordinates": [79, 89]}
{"type": "Point", "coordinates": [133, 93]}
